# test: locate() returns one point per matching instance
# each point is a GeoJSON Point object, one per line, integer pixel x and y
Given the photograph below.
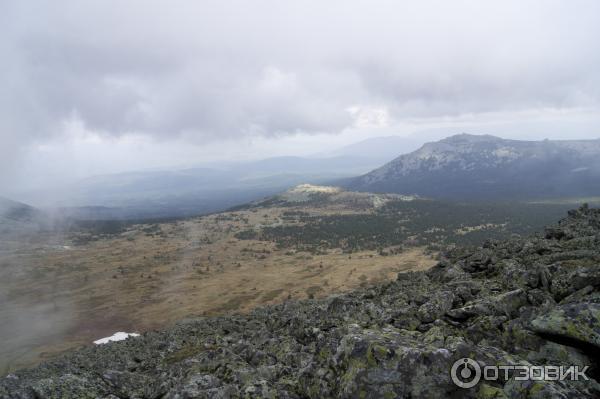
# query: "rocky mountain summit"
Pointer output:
{"type": "Point", "coordinates": [310, 194]}
{"type": "Point", "coordinates": [523, 301]}
{"type": "Point", "coordinates": [484, 167]}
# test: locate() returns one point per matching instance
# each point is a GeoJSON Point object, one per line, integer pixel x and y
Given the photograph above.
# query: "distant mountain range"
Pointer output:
{"type": "Point", "coordinates": [380, 149]}
{"type": "Point", "coordinates": [488, 167]}
{"type": "Point", "coordinates": [193, 191]}
{"type": "Point", "coordinates": [214, 186]}
{"type": "Point", "coordinates": [471, 167]}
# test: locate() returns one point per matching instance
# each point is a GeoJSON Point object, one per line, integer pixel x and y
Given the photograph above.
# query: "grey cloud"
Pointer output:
{"type": "Point", "coordinates": [206, 70]}
{"type": "Point", "coordinates": [119, 89]}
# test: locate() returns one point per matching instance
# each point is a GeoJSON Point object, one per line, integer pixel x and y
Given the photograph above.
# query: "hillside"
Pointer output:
{"type": "Point", "coordinates": [192, 191]}
{"type": "Point", "coordinates": [65, 288]}
{"type": "Point", "coordinates": [16, 211]}
{"type": "Point", "coordinates": [62, 289]}
{"type": "Point", "coordinates": [521, 301]}
{"type": "Point", "coordinates": [487, 167]}
{"type": "Point", "coordinates": [18, 219]}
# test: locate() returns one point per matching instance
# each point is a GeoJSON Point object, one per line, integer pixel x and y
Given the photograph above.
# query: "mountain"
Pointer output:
{"type": "Point", "coordinates": [487, 167]}
{"type": "Point", "coordinates": [193, 191]}
{"type": "Point", "coordinates": [530, 301]}
{"type": "Point", "coordinates": [322, 196]}
{"type": "Point", "coordinates": [17, 218]}
{"type": "Point", "coordinates": [16, 211]}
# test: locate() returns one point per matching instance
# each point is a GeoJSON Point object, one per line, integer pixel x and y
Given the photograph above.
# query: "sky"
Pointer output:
{"type": "Point", "coordinates": [94, 87]}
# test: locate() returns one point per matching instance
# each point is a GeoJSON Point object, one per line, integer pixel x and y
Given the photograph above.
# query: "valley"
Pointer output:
{"type": "Point", "coordinates": [64, 289]}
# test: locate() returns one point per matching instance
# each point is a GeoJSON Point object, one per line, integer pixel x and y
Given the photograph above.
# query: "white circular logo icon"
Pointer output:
{"type": "Point", "coordinates": [465, 373]}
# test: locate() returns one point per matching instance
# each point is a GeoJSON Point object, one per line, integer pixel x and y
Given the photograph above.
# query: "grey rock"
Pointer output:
{"type": "Point", "coordinates": [436, 307]}
{"type": "Point", "coordinates": [496, 304]}
{"type": "Point", "coordinates": [577, 321]}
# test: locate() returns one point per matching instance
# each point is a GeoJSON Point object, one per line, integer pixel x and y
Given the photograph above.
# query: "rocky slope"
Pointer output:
{"type": "Point", "coordinates": [523, 301]}
{"type": "Point", "coordinates": [323, 196]}
{"type": "Point", "coordinates": [475, 167]}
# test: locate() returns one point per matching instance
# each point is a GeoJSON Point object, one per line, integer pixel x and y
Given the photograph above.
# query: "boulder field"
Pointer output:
{"type": "Point", "coordinates": [523, 301]}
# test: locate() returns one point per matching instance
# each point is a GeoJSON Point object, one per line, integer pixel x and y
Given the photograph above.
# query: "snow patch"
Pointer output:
{"type": "Point", "coordinates": [118, 336]}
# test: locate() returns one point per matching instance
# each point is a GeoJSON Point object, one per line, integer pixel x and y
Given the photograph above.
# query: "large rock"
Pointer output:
{"type": "Point", "coordinates": [505, 304]}
{"type": "Point", "coordinates": [578, 321]}
{"type": "Point", "coordinates": [436, 307]}
{"type": "Point", "coordinates": [389, 364]}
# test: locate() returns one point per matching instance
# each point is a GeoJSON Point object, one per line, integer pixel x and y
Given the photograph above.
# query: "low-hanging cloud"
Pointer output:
{"type": "Point", "coordinates": [206, 70]}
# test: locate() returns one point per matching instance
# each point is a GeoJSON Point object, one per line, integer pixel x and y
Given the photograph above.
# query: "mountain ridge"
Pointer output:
{"type": "Point", "coordinates": [483, 166]}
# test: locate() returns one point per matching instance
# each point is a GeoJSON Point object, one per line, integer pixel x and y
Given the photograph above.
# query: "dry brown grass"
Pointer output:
{"type": "Point", "coordinates": [54, 299]}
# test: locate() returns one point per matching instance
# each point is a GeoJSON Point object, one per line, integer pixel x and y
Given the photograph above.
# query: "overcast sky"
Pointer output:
{"type": "Point", "coordinates": [92, 87]}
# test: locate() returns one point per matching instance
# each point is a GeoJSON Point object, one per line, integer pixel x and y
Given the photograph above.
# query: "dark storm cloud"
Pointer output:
{"type": "Point", "coordinates": [206, 70]}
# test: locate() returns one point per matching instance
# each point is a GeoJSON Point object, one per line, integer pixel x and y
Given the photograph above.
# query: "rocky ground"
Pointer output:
{"type": "Point", "coordinates": [522, 301]}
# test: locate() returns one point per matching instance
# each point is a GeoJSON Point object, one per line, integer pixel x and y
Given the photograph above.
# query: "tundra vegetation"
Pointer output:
{"type": "Point", "coordinates": [522, 300]}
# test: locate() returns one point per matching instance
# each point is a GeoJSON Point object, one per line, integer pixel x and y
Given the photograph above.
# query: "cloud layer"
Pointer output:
{"type": "Point", "coordinates": [206, 70]}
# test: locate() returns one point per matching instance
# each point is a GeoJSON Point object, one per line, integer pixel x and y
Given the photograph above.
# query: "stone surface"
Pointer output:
{"type": "Point", "coordinates": [532, 300]}
{"type": "Point", "coordinates": [576, 321]}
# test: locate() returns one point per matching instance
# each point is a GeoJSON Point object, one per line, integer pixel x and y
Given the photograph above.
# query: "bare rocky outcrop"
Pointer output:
{"type": "Point", "coordinates": [522, 301]}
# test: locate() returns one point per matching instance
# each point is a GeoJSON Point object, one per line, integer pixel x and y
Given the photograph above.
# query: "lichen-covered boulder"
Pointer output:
{"type": "Point", "coordinates": [576, 321]}
{"type": "Point", "coordinates": [390, 364]}
{"type": "Point", "coordinates": [436, 307]}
